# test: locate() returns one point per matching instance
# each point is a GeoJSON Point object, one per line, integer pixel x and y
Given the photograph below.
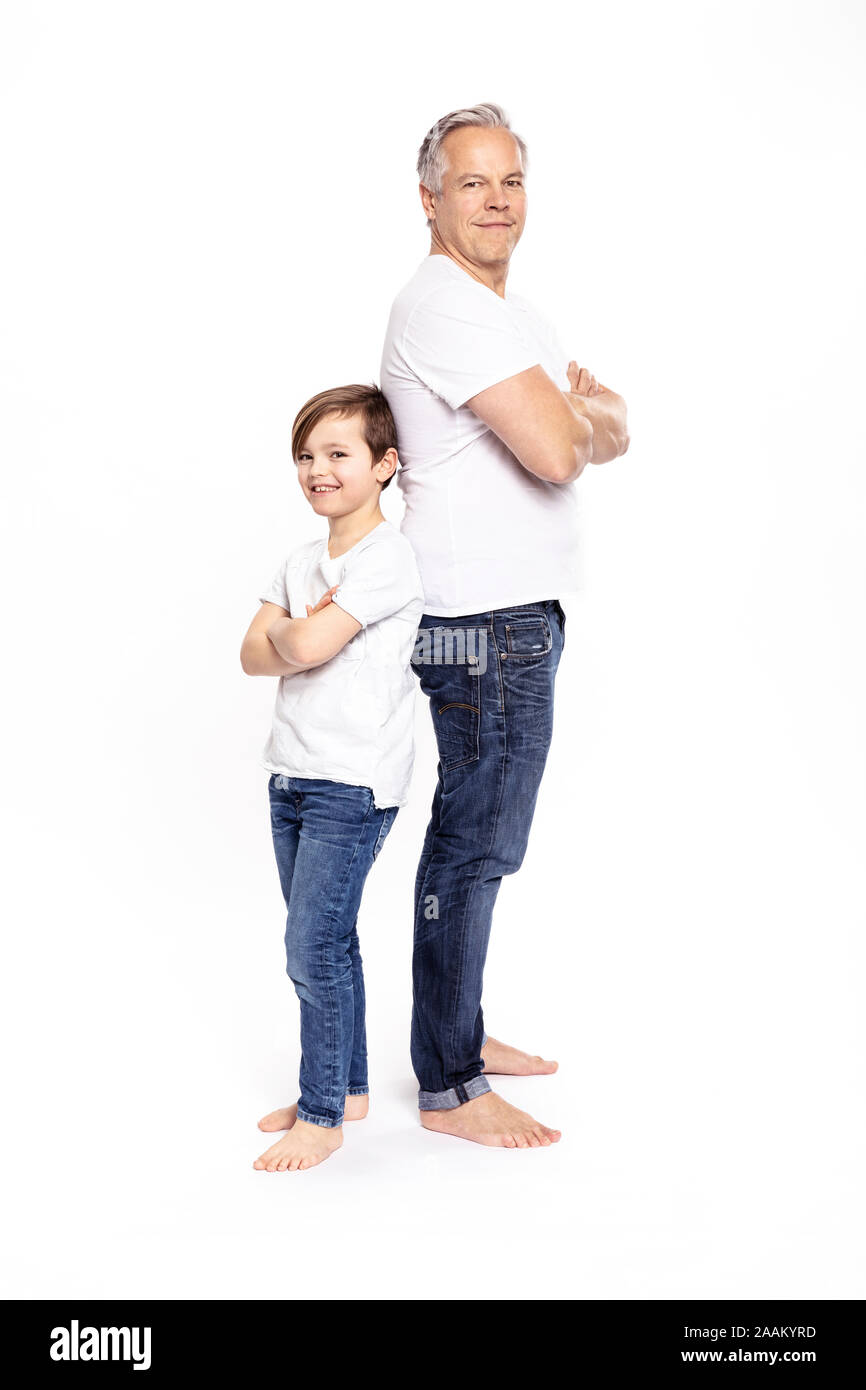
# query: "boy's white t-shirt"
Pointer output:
{"type": "Point", "coordinates": [352, 719]}
{"type": "Point", "coordinates": [486, 532]}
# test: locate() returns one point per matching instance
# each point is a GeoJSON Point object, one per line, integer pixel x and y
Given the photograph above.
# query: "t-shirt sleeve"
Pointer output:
{"type": "Point", "coordinates": [557, 352]}
{"type": "Point", "coordinates": [276, 591]}
{"type": "Point", "coordinates": [378, 582]}
{"type": "Point", "coordinates": [459, 343]}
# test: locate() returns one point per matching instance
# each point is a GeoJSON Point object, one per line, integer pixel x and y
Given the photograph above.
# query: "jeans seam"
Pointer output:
{"type": "Point", "coordinates": [330, 920]}
{"type": "Point", "coordinates": [474, 882]}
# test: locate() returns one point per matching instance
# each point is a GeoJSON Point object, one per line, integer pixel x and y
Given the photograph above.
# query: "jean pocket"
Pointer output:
{"type": "Point", "coordinates": [456, 724]}
{"type": "Point", "coordinates": [528, 638]}
{"type": "Point", "coordinates": [455, 707]}
{"type": "Point", "coordinates": [453, 688]}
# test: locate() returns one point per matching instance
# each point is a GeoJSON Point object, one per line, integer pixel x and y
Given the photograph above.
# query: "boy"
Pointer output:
{"type": "Point", "coordinates": [338, 626]}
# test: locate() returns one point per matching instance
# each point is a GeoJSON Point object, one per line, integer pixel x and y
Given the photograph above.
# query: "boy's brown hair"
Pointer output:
{"type": "Point", "coordinates": [378, 428]}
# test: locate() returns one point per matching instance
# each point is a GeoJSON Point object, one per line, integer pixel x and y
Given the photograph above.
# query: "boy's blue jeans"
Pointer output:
{"type": "Point", "coordinates": [326, 836]}
{"type": "Point", "coordinates": [492, 711]}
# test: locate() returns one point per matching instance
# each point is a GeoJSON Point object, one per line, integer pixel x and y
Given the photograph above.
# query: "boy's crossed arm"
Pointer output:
{"type": "Point", "coordinates": [277, 644]}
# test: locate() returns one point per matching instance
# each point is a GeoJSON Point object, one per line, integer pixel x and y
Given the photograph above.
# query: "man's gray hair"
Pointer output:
{"type": "Point", "coordinates": [430, 159]}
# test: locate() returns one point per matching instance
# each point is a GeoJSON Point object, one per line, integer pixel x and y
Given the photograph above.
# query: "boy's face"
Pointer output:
{"type": "Point", "coordinates": [335, 466]}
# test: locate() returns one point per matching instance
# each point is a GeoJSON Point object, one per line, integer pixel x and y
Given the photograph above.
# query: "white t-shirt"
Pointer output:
{"type": "Point", "coordinates": [352, 719]}
{"type": "Point", "coordinates": [486, 532]}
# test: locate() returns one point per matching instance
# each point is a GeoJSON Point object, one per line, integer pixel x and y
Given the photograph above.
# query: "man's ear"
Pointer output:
{"type": "Point", "coordinates": [427, 202]}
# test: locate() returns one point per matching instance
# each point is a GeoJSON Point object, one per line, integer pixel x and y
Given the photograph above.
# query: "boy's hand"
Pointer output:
{"type": "Point", "coordinates": [323, 601]}
{"type": "Point", "coordinates": [582, 382]}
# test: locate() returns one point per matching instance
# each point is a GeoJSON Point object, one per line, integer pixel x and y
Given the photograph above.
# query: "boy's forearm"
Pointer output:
{"type": "Point", "coordinates": [285, 636]}
{"type": "Point", "coordinates": [606, 413]}
{"type": "Point", "coordinates": [261, 658]}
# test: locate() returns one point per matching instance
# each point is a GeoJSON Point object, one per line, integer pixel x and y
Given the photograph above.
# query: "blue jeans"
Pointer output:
{"type": "Point", "coordinates": [326, 836]}
{"type": "Point", "coordinates": [492, 711]}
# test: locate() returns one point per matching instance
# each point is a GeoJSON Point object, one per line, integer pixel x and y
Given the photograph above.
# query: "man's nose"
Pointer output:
{"type": "Point", "coordinates": [499, 199]}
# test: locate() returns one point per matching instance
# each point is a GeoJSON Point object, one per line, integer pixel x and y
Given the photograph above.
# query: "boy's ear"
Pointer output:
{"type": "Point", "coordinates": [390, 460]}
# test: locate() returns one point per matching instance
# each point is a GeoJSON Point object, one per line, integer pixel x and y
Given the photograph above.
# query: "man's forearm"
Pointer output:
{"type": "Point", "coordinates": [606, 413]}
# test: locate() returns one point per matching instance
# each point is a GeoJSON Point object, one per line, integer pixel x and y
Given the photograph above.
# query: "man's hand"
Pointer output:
{"type": "Point", "coordinates": [323, 601]}
{"type": "Point", "coordinates": [582, 382]}
{"type": "Point", "coordinates": [608, 418]}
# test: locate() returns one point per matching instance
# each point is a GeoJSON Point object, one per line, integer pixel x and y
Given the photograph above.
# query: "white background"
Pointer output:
{"type": "Point", "coordinates": [209, 208]}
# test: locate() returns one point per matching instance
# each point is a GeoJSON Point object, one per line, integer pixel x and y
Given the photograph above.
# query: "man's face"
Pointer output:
{"type": "Point", "coordinates": [482, 207]}
{"type": "Point", "coordinates": [335, 466]}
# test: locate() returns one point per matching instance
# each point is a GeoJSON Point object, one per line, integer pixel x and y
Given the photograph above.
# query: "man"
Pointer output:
{"type": "Point", "coordinates": [494, 429]}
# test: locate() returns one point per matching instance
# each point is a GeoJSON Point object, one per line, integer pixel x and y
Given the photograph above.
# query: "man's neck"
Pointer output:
{"type": "Point", "coordinates": [493, 277]}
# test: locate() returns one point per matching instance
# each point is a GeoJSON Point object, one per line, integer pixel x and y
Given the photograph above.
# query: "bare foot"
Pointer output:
{"type": "Point", "coordinates": [356, 1109]}
{"type": "Point", "coordinates": [304, 1146]}
{"type": "Point", "coordinates": [503, 1060]}
{"type": "Point", "coordinates": [490, 1120]}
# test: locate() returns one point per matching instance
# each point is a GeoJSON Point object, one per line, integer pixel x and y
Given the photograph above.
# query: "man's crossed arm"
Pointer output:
{"type": "Point", "coordinates": [553, 433]}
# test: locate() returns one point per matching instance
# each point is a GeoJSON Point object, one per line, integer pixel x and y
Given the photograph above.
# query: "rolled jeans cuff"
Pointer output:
{"type": "Point", "coordinates": [457, 1095]}
{"type": "Point", "coordinates": [319, 1120]}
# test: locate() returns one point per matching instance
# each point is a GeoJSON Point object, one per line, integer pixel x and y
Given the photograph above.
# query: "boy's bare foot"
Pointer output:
{"type": "Point", "coordinates": [503, 1060]}
{"type": "Point", "coordinates": [490, 1120]}
{"type": "Point", "coordinates": [304, 1146]}
{"type": "Point", "coordinates": [356, 1109]}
